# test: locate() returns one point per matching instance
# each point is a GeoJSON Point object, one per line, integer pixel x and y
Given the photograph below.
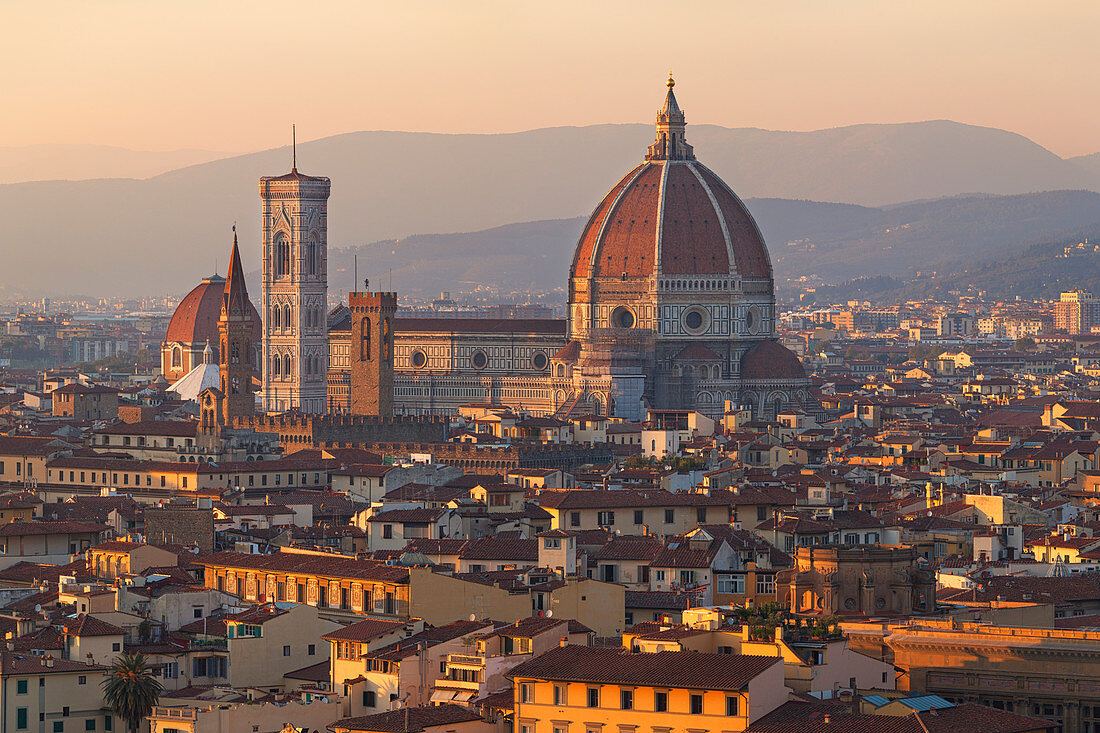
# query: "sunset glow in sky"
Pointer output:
{"type": "Point", "coordinates": [232, 76]}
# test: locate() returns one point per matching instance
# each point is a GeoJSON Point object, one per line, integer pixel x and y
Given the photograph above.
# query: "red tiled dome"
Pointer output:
{"type": "Point", "coordinates": [672, 217]}
{"type": "Point", "coordinates": [195, 319]}
{"type": "Point", "coordinates": [771, 360]}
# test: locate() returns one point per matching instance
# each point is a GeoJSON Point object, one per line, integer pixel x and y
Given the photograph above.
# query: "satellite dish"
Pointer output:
{"type": "Point", "coordinates": [473, 617]}
{"type": "Point", "coordinates": [550, 613]}
{"type": "Point", "coordinates": [38, 608]}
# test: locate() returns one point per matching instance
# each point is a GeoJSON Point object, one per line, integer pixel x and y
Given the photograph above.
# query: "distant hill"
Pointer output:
{"type": "Point", "coordinates": [1062, 262]}
{"type": "Point", "coordinates": [1089, 164]}
{"type": "Point", "coordinates": [899, 239]}
{"type": "Point", "coordinates": [847, 240]}
{"type": "Point", "coordinates": [82, 162]}
{"type": "Point", "coordinates": [163, 233]}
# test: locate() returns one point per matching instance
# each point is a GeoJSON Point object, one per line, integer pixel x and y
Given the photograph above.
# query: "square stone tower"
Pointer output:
{"type": "Point", "coordinates": [371, 388]}
{"type": "Point", "coordinates": [294, 304]}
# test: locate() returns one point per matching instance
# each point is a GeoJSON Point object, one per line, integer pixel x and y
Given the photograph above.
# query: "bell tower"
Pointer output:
{"type": "Point", "coordinates": [295, 291]}
{"type": "Point", "coordinates": [235, 343]}
{"type": "Point", "coordinates": [371, 387]}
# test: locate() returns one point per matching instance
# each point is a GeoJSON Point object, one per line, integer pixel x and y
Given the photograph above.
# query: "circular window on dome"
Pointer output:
{"type": "Point", "coordinates": [479, 360]}
{"type": "Point", "coordinates": [539, 361]}
{"type": "Point", "coordinates": [695, 320]}
{"type": "Point", "coordinates": [622, 317]}
{"type": "Point", "coordinates": [752, 320]}
{"type": "Point", "coordinates": [419, 359]}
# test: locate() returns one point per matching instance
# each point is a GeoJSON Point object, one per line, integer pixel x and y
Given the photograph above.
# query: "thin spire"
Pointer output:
{"type": "Point", "coordinates": [293, 153]}
{"type": "Point", "coordinates": [235, 300]}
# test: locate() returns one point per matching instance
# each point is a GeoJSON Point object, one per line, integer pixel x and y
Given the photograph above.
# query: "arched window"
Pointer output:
{"type": "Point", "coordinates": [288, 322]}
{"type": "Point", "coordinates": [235, 353]}
{"type": "Point", "coordinates": [281, 253]}
{"type": "Point", "coordinates": [286, 367]}
{"type": "Point", "coordinates": [313, 255]}
{"type": "Point", "coordinates": [177, 357]}
{"type": "Point", "coordinates": [275, 319]}
{"type": "Point", "coordinates": [276, 362]}
{"type": "Point", "coordinates": [364, 343]}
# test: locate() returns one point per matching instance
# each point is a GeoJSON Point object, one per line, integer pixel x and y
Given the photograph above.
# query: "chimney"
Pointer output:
{"type": "Point", "coordinates": [565, 641]}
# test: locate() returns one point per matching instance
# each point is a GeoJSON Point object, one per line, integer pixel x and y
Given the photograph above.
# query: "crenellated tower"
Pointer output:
{"type": "Point", "coordinates": [295, 291]}
{"type": "Point", "coordinates": [371, 385]}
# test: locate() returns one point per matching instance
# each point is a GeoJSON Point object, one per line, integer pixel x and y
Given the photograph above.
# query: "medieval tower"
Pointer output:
{"type": "Point", "coordinates": [295, 292]}
{"type": "Point", "coordinates": [235, 343]}
{"type": "Point", "coordinates": [371, 384]}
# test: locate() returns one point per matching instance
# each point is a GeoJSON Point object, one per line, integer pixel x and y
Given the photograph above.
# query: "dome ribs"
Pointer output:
{"type": "Point", "coordinates": [750, 254]}
{"type": "Point", "coordinates": [583, 262]}
{"type": "Point", "coordinates": [626, 237]}
{"type": "Point", "coordinates": [692, 242]}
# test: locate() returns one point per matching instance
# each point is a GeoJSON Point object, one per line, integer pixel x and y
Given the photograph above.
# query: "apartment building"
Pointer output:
{"type": "Point", "coordinates": [580, 688]}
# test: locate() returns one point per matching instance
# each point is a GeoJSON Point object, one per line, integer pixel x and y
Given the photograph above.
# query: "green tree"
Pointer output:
{"type": "Point", "coordinates": [131, 689]}
{"type": "Point", "coordinates": [1025, 344]}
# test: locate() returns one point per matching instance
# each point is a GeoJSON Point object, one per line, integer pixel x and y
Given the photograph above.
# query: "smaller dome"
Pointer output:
{"type": "Point", "coordinates": [771, 360]}
{"type": "Point", "coordinates": [195, 319]}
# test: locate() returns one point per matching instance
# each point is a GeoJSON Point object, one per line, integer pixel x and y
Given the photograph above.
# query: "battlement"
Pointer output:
{"type": "Point", "coordinates": [259, 422]}
{"type": "Point", "coordinates": [337, 430]}
{"type": "Point", "coordinates": [373, 302]}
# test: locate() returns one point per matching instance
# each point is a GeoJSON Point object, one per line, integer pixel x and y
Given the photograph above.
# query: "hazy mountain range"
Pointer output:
{"type": "Point", "coordinates": [832, 242]}
{"type": "Point", "coordinates": [80, 162]}
{"type": "Point", "coordinates": [161, 234]}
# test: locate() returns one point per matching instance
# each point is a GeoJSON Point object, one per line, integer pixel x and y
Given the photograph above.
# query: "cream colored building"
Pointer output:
{"type": "Point", "coordinates": [269, 640]}
{"type": "Point", "coordinates": [598, 688]}
{"type": "Point", "coordinates": [41, 693]}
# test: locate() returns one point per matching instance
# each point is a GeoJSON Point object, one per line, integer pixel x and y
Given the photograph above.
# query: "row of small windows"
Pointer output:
{"type": "Point", "coordinates": [695, 285]}
{"type": "Point", "coordinates": [594, 699]}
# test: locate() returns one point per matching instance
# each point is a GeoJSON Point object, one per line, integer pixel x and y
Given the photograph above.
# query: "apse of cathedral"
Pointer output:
{"type": "Point", "coordinates": [671, 306]}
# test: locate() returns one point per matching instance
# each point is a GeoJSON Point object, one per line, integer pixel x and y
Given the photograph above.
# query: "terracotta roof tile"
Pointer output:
{"type": "Point", "coordinates": [692, 670]}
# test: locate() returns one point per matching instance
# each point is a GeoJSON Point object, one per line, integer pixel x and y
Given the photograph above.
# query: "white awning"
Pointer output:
{"type": "Point", "coordinates": [441, 696]}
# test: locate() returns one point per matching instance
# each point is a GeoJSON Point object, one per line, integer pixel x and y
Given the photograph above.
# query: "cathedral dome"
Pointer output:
{"type": "Point", "coordinates": [771, 360]}
{"type": "Point", "coordinates": [195, 319]}
{"type": "Point", "coordinates": [671, 215]}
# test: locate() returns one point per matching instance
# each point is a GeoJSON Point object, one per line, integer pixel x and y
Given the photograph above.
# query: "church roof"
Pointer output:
{"type": "Point", "coordinates": [191, 385]}
{"type": "Point", "coordinates": [771, 360]}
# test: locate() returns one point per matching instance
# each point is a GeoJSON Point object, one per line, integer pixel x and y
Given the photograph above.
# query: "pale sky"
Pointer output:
{"type": "Point", "coordinates": [232, 76]}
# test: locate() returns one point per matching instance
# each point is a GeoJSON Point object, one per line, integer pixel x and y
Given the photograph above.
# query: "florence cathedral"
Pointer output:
{"type": "Point", "coordinates": [671, 306]}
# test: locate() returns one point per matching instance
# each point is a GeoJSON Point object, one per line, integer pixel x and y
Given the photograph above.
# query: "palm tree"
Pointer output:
{"type": "Point", "coordinates": [131, 689]}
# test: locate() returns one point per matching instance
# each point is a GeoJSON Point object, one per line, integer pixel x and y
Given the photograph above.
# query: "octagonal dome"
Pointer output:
{"type": "Point", "coordinates": [671, 215]}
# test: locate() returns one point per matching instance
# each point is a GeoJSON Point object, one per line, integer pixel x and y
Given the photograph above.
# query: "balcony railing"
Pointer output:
{"type": "Point", "coordinates": [466, 659]}
{"type": "Point", "coordinates": [449, 684]}
{"type": "Point", "coordinates": [175, 713]}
